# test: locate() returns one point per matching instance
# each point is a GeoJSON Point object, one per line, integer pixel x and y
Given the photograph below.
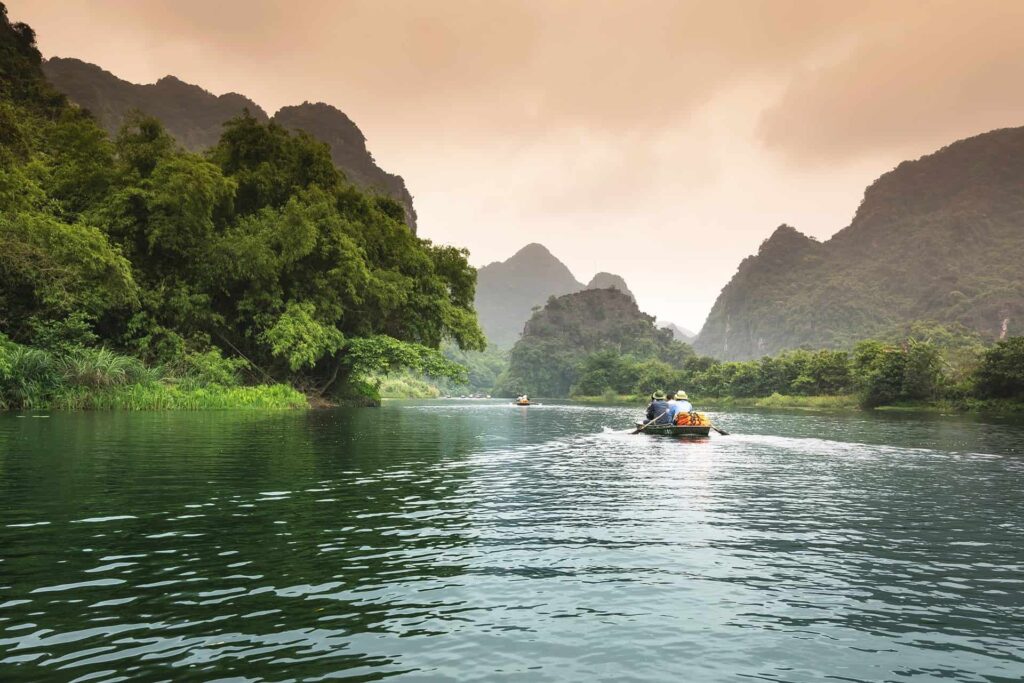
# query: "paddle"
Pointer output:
{"type": "Point", "coordinates": [720, 431]}
{"type": "Point", "coordinates": [642, 428]}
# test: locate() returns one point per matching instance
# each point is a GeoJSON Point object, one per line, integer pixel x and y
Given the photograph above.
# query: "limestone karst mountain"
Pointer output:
{"type": "Point", "coordinates": [195, 118]}
{"type": "Point", "coordinates": [507, 292]}
{"type": "Point", "coordinates": [937, 239]}
{"type": "Point", "coordinates": [557, 337]}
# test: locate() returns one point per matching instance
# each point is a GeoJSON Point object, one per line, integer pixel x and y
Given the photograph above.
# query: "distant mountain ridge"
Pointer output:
{"type": "Point", "coordinates": [195, 118]}
{"type": "Point", "coordinates": [507, 292]}
{"type": "Point", "coordinates": [937, 239]}
{"type": "Point", "coordinates": [680, 333]}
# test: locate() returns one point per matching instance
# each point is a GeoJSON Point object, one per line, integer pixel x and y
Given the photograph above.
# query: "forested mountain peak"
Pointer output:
{"type": "Point", "coordinates": [508, 291]}
{"type": "Point", "coordinates": [570, 328]}
{"type": "Point", "coordinates": [786, 237]}
{"type": "Point", "coordinates": [195, 118]}
{"type": "Point", "coordinates": [935, 239]}
{"type": "Point", "coordinates": [984, 171]}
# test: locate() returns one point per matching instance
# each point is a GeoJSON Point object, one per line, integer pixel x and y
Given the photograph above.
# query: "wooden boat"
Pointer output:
{"type": "Point", "coordinates": [675, 430]}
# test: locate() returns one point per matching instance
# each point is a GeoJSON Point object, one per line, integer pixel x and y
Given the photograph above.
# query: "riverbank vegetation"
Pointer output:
{"type": "Point", "coordinates": [930, 366]}
{"type": "Point", "coordinates": [257, 251]}
{"type": "Point", "coordinates": [79, 377]}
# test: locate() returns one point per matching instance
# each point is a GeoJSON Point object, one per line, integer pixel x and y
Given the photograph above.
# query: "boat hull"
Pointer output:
{"type": "Point", "coordinates": [676, 430]}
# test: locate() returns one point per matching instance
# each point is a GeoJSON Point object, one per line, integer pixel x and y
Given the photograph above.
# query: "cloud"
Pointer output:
{"type": "Point", "coordinates": [920, 76]}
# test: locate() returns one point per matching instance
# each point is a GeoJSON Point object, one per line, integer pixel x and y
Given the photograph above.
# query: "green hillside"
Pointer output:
{"type": "Point", "coordinates": [550, 357]}
{"type": "Point", "coordinates": [939, 239]}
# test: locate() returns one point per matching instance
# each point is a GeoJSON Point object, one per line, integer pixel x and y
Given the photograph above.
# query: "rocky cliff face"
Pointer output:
{"type": "Point", "coordinates": [195, 118]}
{"type": "Point", "coordinates": [348, 150]}
{"type": "Point", "coordinates": [940, 239]}
{"type": "Point", "coordinates": [192, 115]}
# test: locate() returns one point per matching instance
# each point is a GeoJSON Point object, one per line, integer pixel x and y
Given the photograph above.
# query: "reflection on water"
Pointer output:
{"type": "Point", "coordinates": [471, 540]}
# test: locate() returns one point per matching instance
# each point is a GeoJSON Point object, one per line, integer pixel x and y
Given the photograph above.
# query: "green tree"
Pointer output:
{"type": "Point", "coordinates": [1001, 371]}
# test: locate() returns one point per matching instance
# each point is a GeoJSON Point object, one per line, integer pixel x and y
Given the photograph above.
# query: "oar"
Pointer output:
{"type": "Point", "coordinates": [720, 431]}
{"type": "Point", "coordinates": [640, 429]}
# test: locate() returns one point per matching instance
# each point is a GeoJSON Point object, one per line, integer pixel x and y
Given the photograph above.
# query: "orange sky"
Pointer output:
{"type": "Point", "coordinates": [658, 140]}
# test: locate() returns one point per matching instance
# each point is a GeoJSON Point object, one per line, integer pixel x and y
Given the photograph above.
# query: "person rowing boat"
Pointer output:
{"type": "Point", "coordinates": [674, 415]}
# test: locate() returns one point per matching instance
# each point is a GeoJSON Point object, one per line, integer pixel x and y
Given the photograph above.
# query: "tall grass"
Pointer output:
{"type": "Point", "coordinates": [406, 386]}
{"type": "Point", "coordinates": [102, 368]}
{"type": "Point", "coordinates": [162, 396]}
{"type": "Point", "coordinates": [776, 400]}
{"type": "Point", "coordinates": [27, 377]}
{"type": "Point", "coordinates": [100, 379]}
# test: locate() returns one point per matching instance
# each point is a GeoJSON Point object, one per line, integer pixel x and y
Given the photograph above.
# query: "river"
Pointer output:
{"type": "Point", "coordinates": [475, 540]}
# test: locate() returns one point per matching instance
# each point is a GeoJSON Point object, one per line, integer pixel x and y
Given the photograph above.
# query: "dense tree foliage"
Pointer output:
{"type": "Point", "coordinates": [914, 370]}
{"type": "Point", "coordinates": [550, 358]}
{"type": "Point", "coordinates": [1001, 372]}
{"type": "Point", "coordinates": [258, 249]}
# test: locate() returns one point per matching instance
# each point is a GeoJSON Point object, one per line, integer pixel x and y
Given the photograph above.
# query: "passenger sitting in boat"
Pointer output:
{"type": "Point", "coordinates": [679, 403]}
{"type": "Point", "coordinates": [659, 410]}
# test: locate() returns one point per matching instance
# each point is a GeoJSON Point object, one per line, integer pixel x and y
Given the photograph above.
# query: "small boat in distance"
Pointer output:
{"type": "Point", "coordinates": [524, 400]}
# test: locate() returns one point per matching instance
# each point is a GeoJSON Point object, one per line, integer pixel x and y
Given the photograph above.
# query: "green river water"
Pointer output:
{"type": "Point", "coordinates": [475, 540]}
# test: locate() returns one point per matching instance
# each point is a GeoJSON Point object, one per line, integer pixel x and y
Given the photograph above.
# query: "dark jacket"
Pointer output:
{"type": "Point", "coordinates": [662, 409]}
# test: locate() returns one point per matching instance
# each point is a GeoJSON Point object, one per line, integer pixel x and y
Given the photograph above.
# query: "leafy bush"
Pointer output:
{"type": "Point", "coordinates": [211, 367]}
{"type": "Point", "coordinates": [1001, 371]}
